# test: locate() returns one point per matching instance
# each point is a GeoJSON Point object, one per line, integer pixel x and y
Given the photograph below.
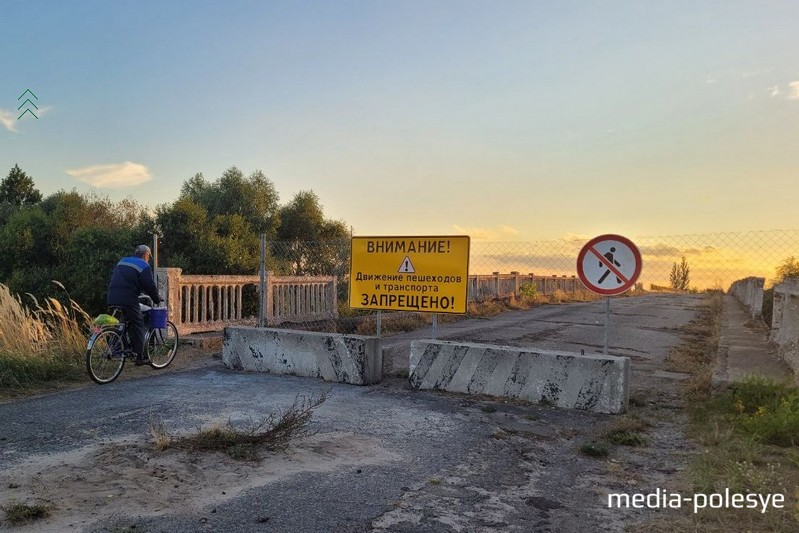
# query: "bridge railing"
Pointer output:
{"type": "Point", "coordinates": [210, 303]}
{"type": "Point", "coordinates": [301, 299]}
{"type": "Point", "coordinates": [749, 291]}
{"type": "Point", "coordinates": [498, 285]}
{"type": "Point", "coordinates": [785, 321]}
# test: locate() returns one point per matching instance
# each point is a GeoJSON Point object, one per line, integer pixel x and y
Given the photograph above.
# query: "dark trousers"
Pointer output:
{"type": "Point", "coordinates": [136, 328]}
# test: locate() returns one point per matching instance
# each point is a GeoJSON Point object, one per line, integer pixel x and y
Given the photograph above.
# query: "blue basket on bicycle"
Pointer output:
{"type": "Point", "coordinates": [158, 317]}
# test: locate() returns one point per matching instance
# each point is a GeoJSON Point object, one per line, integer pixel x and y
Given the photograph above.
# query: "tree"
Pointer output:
{"type": "Point", "coordinates": [72, 238]}
{"type": "Point", "coordinates": [18, 188]}
{"type": "Point", "coordinates": [788, 268]}
{"type": "Point", "coordinates": [254, 198]}
{"type": "Point", "coordinates": [680, 275]}
{"type": "Point", "coordinates": [184, 228]}
{"type": "Point", "coordinates": [92, 253]}
{"type": "Point", "coordinates": [311, 242]}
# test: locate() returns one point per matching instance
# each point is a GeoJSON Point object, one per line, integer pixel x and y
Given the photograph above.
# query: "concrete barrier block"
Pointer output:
{"type": "Point", "coordinates": [350, 359]}
{"type": "Point", "coordinates": [570, 380]}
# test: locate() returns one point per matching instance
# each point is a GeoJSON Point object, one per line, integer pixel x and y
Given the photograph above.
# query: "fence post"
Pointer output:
{"type": "Point", "coordinates": [334, 297]}
{"type": "Point", "coordinates": [269, 312]}
{"type": "Point", "coordinates": [262, 284]}
{"type": "Point", "coordinates": [171, 278]}
{"type": "Point", "coordinates": [516, 285]}
{"type": "Point", "coordinates": [496, 284]}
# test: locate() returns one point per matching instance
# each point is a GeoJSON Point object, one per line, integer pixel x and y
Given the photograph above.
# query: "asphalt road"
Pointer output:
{"type": "Point", "coordinates": [384, 458]}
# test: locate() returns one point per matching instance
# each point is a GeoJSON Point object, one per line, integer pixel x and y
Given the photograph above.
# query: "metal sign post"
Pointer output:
{"type": "Point", "coordinates": [155, 259]}
{"type": "Point", "coordinates": [607, 323]}
{"type": "Point", "coordinates": [435, 326]}
{"type": "Point", "coordinates": [379, 322]}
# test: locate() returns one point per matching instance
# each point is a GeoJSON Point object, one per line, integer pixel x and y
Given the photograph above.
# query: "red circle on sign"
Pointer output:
{"type": "Point", "coordinates": [589, 248]}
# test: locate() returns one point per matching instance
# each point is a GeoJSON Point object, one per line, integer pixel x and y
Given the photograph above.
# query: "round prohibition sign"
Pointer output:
{"type": "Point", "coordinates": [609, 264]}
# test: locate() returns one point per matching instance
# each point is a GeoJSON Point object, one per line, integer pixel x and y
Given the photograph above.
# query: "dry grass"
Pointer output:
{"type": "Point", "coordinates": [696, 354]}
{"type": "Point", "coordinates": [21, 513]}
{"type": "Point", "coordinates": [733, 430]}
{"type": "Point", "coordinates": [624, 425]}
{"type": "Point", "coordinates": [274, 433]}
{"type": "Point", "coordinates": [392, 324]}
{"type": "Point", "coordinates": [40, 343]}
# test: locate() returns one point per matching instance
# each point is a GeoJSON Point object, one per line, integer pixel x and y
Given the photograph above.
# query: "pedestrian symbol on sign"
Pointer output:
{"type": "Point", "coordinates": [611, 260]}
{"type": "Point", "coordinates": [406, 267]}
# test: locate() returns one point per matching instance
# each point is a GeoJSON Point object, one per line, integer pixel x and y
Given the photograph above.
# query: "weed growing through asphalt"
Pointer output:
{"type": "Point", "coordinates": [594, 449]}
{"type": "Point", "coordinates": [626, 431]}
{"type": "Point", "coordinates": [696, 354]}
{"type": "Point", "coordinates": [21, 513]}
{"type": "Point", "coordinates": [274, 433]}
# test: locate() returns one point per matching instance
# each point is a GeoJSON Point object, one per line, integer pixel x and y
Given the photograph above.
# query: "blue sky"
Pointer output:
{"type": "Point", "coordinates": [506, 120]}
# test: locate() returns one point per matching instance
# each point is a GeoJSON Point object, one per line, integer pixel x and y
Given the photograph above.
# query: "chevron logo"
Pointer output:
{"type": "Point", "coordinates": [27, 103]}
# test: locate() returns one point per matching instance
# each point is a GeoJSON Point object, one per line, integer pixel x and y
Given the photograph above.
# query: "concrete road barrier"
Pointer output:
{"type": "Point", "coordinates": [590, 382]}
{"type": "Point", "coordinates": [350, 359]}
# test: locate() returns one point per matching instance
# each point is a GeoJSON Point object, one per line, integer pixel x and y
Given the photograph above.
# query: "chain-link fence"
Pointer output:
{"type": "Point", "coordinates": [309, 281]}
{"type": "Point", "coordinates": [714, 260]}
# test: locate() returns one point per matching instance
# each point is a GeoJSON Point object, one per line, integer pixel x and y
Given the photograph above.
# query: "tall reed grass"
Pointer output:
{"type": "Point", "coordinates": [40, 343]}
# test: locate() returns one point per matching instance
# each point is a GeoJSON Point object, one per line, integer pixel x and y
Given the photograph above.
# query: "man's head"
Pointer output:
{"type": "Point", "coordinates": [143, 251]}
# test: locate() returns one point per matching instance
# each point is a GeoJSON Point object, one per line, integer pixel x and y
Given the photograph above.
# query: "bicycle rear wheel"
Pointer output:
{"type": "Point", "coordinates": [105, 356]}
{"type": "Point", "coordinates": [162, 345]}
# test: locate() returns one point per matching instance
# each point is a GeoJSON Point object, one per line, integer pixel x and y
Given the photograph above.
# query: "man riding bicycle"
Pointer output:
{"type": "Point", "coordinates": [133, 276]}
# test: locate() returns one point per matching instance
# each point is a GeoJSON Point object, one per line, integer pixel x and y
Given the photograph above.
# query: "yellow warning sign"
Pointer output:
{"type": "Point", "coordinates": [424, 274]}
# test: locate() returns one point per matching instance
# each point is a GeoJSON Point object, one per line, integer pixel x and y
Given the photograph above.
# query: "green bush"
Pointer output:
{"type": "Point", "coordinates": [767, 410]}
{"type": "Point", "coordinates": [529, 290]}
{"type": "Point", "coordinates": [594, 449]}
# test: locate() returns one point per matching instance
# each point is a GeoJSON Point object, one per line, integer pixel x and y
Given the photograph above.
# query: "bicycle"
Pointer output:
{"type": "Point", "coordinates": [109, 346]}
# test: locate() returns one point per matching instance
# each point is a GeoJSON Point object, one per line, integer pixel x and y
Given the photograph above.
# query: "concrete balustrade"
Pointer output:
{"type": "Point", "coordinates": [496, 285]}
{"type": "Point", "coordinates": [749, 291]}
{"type": "Point", "coordinates": [785, 322]}
{"type": "Point", "coordinates": [211, 303]}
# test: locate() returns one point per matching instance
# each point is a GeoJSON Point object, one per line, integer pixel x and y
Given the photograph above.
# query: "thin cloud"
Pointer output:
{"type": "Point", "coordinates": [794, 87]}
{"type": "Point", "coordinates": [487, 234]}
{"type": "Point", "coordinates": [752, 73]}
{"type": "Point", "coordinates": [115, 176]}
{"type": "Point", "coordinates": [774, 91]}
{"type": "Point", "coordinates": [577, 238]}
{"type": "Point", "coordinates": [711, 79]}
{"type": "Point", "coordinates": [480, 234]}
{"type": "Point", "coordinates": [8, 120]}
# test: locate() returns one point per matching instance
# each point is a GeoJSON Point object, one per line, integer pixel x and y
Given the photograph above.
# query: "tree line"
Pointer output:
{"type": "Point", "coordinates": [213, 227]}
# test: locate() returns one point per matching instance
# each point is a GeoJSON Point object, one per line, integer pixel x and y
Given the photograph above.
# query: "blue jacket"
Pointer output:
{"type": "Point", "coordinates": [131, 277]}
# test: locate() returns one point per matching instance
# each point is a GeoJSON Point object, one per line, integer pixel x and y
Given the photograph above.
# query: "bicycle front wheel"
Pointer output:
{"type": "Point", "coordinates": [105, 356]}
{"type": "Point", "coordinates": [162, 345]}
